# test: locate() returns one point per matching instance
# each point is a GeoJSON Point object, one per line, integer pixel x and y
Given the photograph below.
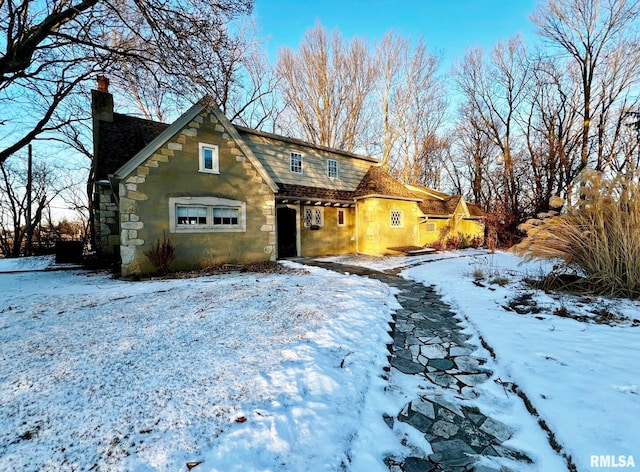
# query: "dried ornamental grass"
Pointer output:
{"type": "Point", "coordinates": [599, 236]}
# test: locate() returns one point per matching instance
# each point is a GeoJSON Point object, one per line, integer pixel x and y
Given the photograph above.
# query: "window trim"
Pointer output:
{"type": "Point", "coordinates": [400, 214]}
{"type": "Point", "coordinates": [291, 166]}
{"type": "Point", "coordinates": [209, 203]}
{"type": "Point", "coordinates": [215, 164]}
{"type": "Point", "coordinates": [334, 161]}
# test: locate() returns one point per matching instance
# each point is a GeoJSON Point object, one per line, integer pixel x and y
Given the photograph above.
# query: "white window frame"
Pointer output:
{"type": "Point", "coordinates": [296, 169]}
{"type": "Point", "coordinates": [399, 216]}
{"type": "Point", "coordinates": [209, 203]}
{"type": "Point", "coordinates": [431, 227]}
{"type": "Point", "coordinates": [215, 163]}
{"type": "Point", "coordinates": [313, 216]}
{"type": "Point", "coordinates": [344, 217]}
{"type": "Point", "coordinates": [335, 168]}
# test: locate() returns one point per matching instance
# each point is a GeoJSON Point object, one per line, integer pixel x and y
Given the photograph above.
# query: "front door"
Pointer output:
{"type": "Point", "coordinates": [287, 238]}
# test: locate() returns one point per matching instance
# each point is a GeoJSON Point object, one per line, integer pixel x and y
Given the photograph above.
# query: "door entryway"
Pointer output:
{"type": "Point", "coordinates": [286, 219]}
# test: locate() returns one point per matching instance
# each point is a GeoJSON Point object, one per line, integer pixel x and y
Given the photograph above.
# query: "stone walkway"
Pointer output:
{"type": "Point", "coordinates": [429, 342]}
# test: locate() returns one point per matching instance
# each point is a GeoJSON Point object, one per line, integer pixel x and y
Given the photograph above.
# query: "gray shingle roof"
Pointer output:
{"type": "Point", "coordinates": [378, 182]}
{"type": "Point", "coordinates": [120, 140]}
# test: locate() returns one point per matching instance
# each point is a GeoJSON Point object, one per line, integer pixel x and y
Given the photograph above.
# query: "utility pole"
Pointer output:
{"type": "Point", "coordinates": [29, 185]}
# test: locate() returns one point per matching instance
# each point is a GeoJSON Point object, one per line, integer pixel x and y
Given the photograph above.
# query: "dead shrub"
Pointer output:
{"type": "Point", "coordinates": [454, 242]}
{"type": "Point", "coordinates": [162, 255]}
{"type": "Point", "coordinates": [502, 228]}
{"type": "Point", "coordinates": [439, 245]}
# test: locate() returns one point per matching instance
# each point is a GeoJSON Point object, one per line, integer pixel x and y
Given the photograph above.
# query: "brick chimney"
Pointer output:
{"type": "Point", "coordinates": [103, 84]}
{"type": "Point", "coordinates": [102, 113]}
{"type": "Point", "coordinates": [102, 101]}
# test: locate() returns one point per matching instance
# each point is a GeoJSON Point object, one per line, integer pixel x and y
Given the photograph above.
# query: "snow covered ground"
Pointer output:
{"type": "Point", "coordinates": [582, 377]}
{"type": "Point", "coordinates": [243, 372]}
{"type": "Point", "coordinates": [281, 371]}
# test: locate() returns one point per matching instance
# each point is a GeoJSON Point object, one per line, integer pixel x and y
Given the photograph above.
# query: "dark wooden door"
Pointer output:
{"type": "Point", "coordinates": [287, 240]}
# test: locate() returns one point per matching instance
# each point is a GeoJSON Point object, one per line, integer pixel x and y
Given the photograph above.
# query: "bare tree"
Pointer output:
{"type": "Point", "coordinates": [325, 86]}
{"type": "Point", "coordinates": [551, 128]}
{"type": "Point", "coordinates": [412, 103]}
{"type": "Point", "coordinates": [494, 91]}
{"type": "Point", "coordinates": [49, 47]}
{"type": "Point", "coordinates": [598, 36]}
{"type": "Point", "coordinates": [234, 71]}
{"type": "Point", "coordinates": [472, 155]}
{"type": "Point", "coordinates": [16, 233]}
{"type": "Point", "coordinates": [389, 103]}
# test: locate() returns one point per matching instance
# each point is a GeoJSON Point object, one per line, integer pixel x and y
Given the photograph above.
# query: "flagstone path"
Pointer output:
{"type": "Point", "coordinates": [428, 341]}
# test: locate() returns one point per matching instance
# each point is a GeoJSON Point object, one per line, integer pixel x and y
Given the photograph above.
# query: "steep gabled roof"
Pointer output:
{"type": "Point", "coordinates": [474, 210]}
{"type": "Point", "coordinates": [121, 139]}
{"type": "Point", "coordinates": [448, 206]}
{"type": "Point", "coordinates": [177, 126]}
{"type": "Point", "coordinates": [377, 182]}
{"type": "Point", "coordinates": [437, 207]}
{"type": "Point", "coordinates": [427, 192]}
{"type": "Point", "coordinates": [170, 131]}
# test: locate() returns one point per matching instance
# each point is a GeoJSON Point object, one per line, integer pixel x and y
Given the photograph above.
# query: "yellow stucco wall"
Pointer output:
{"type": "Point", "coordinates": [431, 230]}
{"type": "Point", "coordinates": [173, 171]}
{"type": "Point", "coordinates": [375, 233]}
{"type": "Point", "coordinates": [330, 239]}
{"type": "Point", "coordinates": [469, 229]}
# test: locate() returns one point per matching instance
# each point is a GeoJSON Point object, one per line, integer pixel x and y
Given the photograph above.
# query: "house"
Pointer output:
{"type": "Point", "coordinates": [226, 193]}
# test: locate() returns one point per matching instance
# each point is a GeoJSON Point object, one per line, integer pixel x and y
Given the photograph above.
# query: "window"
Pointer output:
{"type": "Point", "coordinates": [332, 168]}
{"type": "Point", "coordinates": [209, 158]}
{"type": "Point", "coordinates": [313, 217]}
{"type": "Point", "coordinates": [341, 218]}
{"type": "Point", "coordinates": [431, 227]}
{"type": "Point", "coordinates": [191, 215]}
{"type": "Point", "coordinates": [225, 216]}
{"type": "Point", "coordinates": [206, 215]}
{"type": "Point", "coordinates": [295, 163]}
{"type": "Point", "coordinates": [396, 219]}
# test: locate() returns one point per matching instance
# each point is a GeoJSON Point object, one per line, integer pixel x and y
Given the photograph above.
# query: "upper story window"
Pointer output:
{"type": "Point", "coordinates": [209, 158]}
{"type": "Point", "coordinates": [332, 168]}
{"type": "Point", "coordinates": [295, 162]}
{"type": "Point", "coordinates": [396, 219]}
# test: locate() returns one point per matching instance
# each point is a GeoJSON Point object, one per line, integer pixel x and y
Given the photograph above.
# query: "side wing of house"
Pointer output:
{"type": "Point", "coordinates": [445, 216]}
{"type": "Point", "coordinates": [388, 214]}
{"type": "Point", "coordinates": [200, 186]}
{"type": "Point", "coordinates": [315, 206]}
{"type": "Point", "coordinates": [470, 223]}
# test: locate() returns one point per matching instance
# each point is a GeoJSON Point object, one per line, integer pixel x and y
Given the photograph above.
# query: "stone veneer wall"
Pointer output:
{"type": "Point", "coordinates": [106, 218]}
{"type": "Point", "coordinates": [132, 191]}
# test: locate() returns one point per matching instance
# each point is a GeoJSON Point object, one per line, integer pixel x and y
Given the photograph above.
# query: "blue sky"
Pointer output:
{"type": "Point", "coordinates": [448, 26]}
